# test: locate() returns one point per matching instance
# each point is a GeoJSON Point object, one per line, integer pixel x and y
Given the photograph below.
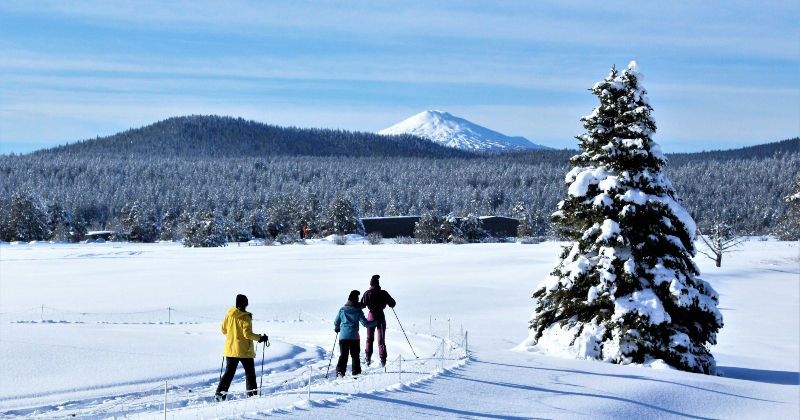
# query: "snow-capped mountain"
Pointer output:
{"type": "Point", "coordinates": [441, 127]}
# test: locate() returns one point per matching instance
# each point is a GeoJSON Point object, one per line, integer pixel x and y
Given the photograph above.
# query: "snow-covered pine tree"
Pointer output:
{"type": "Point", "coordinates": [77, 231]}
{"type": "Point", "coordinates": [169, 226]}
{"type": "Point", "coordinates": [519, 210]}
{"type": "Point", "coordinates": [58, 220]}
{"type": "Point", "coordinates": [311, 215]}
{"type": "Point", "coordinates": [525, 227]}
{"type": "Point", "coordinates": [148, 227]}
{"type": "Point", "coordinates": [539, 223]}
{"type": "Point", "coordinates": [236, 230]}
{"type": "Point", "coordinates": [115, 226]}
{"type": "Point", "coordinates": [6, 233]}
{"type": "Point", "coordinates": [428, 230]}
{"type": "Point", "coordinates": [626, 289]}
{"type": "Point", "coordinates": [472, 228]}
{"type": "Point", "coordinates": [788, 228]}
{"type": "Point", "coordinates": [343, 217]}
{"type": "Point", "coordinates": [256, 224]}
{"type": "Point", "coordinates": [27, 219]}
{"type": "Point", "coordinates": [474, 205]}
{"type": "Point", "coordinates": [139, 223]}
{"type": "Point", "coordinates": [236, 226]}
{"type": "Point", "coordinates": [282, 215]}
{"type": "Point", "coordinates": [450, 230]}
{"type": "Point", "coordinates": [391, 210]}
{"type": "Point", "coordinates": [368, 206]}
{"type": "Point", "coordinates": [203, 230]}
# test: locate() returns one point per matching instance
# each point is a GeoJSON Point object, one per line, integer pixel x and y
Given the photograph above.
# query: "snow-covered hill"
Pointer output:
{"type": "Point", "coordinates": [444, 128]}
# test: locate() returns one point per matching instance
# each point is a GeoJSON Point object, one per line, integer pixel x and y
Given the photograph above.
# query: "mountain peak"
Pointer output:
{"type": "Point", "coordinates": [442, 127]}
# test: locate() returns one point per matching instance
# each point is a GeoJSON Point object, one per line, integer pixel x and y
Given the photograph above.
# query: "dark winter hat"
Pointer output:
{"type": "Point", "coordinates": [353, 297]}
{"type": "Point", "coordinates": [375, 280]}
{"type": "Point", "coordinates": [241, 301]}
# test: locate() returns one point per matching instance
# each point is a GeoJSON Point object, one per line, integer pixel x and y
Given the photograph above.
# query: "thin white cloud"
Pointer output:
{"type": "Point", "coordinates": [763, 29]}
{"type": "Point", "coordinates": [340, 68]}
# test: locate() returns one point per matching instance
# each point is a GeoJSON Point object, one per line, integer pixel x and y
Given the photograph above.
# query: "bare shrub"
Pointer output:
{"type": "Point", "coordinates": [375, 238]}
{"type": "Point", "coordinates": [340, 239]}
{"type": "Point", "coordinates": [290, 239]}
{"type": "Point", "coordinates": [404, 240]}
{"type": "Point", "coordinates": [527, 240]}
{"type": "Point", "coordinates": [457, 239]}
{"type": "Point", "coordinates": [268, 241]}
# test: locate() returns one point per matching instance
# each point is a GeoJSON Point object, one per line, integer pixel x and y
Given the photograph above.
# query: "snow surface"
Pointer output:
{"type": "Point", "coordinates": [441, 127]}
{"type": "Point", "coordinates": [484, 287]}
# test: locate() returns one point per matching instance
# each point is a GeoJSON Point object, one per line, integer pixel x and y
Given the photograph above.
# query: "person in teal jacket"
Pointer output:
{"type": "Point", "coordinates": [346, 324]}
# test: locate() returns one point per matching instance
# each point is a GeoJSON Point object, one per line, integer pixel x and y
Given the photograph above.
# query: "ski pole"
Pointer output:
{"type": "Point", "coordinates": [404, 333]}
{"type": "Point", "coordinates": [220, 368]}
{"type": "Point", "coordinates": [263, 348]}
{"type": "Point", "coordinates": [331, 360]}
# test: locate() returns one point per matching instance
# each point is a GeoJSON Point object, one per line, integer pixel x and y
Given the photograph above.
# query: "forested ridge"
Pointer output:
{"type": "Point", "coordinates": [215, 136]}
{"type": "Point", "coordinates": [229, 165]}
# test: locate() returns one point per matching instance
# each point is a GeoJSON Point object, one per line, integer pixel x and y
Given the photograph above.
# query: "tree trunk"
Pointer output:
{"type": "Point", "coordinates": [719, 260]}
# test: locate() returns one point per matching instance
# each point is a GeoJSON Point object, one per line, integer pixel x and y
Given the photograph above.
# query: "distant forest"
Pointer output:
{"type": "Point", "coordinates": [230, 166]}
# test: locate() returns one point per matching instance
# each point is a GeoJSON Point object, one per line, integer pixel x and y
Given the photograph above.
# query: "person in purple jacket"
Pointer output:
{"type": "Point", "coordinates": [376, 300]}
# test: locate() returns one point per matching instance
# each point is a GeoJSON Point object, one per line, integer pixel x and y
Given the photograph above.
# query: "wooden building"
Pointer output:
{"type": "Point", "coordinates": [391, 227]}
{"type": "Point", "coordinates": [500, 226]}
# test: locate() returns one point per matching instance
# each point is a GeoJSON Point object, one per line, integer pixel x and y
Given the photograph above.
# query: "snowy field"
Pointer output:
{"type": "Point", "coordinates": [115, 343]}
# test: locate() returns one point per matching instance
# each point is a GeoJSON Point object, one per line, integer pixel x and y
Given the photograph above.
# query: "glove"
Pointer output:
{"type": "Point", "coordinates": [336, 330]}
{"type": "Point", "coordinates": [263, 338]}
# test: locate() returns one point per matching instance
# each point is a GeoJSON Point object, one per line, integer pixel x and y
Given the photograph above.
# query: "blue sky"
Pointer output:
{"type": "Point", "coordinates": [720, 74]}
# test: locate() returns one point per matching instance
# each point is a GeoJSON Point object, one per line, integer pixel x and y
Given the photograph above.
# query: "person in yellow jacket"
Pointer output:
{"type": "Point", "coordinates": [239, 347]}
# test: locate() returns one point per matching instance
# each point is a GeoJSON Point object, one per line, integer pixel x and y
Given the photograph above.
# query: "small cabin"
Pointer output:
{"type": "Point", "coordinates": [500, 226]}
{"type": "Point", "coordinates": [391, 226]}
{"type": "Point", "coordinates": [98, 234]}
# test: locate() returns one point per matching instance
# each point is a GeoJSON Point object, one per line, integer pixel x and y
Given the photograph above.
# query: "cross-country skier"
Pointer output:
{"type": "Point", "coordinates": [346, 324]}
{"type": "Point", "coordinates": [238, 327]}
{"type": "Point", "coordinates": [376, 300]}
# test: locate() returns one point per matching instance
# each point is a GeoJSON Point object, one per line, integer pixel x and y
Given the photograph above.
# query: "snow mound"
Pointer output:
{"type": "Point", "coordinates": [441, 127]}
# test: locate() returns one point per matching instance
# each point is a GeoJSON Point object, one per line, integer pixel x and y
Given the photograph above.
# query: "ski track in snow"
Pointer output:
{"type": "Point", "coordinates": [51, 369]}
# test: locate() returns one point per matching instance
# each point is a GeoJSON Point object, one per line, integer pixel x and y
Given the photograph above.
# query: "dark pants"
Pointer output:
{"type": "Point", "coordinates": [380, 331]}
{"type": "Point", "coordinates": [230, 371]}
{"type": "Point", "coordinates": [352, 348]}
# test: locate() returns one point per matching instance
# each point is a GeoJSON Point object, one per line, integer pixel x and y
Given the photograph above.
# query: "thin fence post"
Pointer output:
{"type": "Point", "coordinates": [430, 323]}
{"type": "Point", "coordinates": [165, 400]}
{"type": "Point", "coordinates": [310, 373]}
{"type": "Point", "coordinates": [466, 343]}
{"type": "Point", "coordinates": [299, 319]}
{"type": "Point", "coordinates": [448, 329]}
{"type": "Point", "coordinates": [441, 358]}
{"type": "Point", "coordinates": [41, 319]}
{"type": "Point", "coordinates": [400, 369]}
{"type": "Point", "coordinates": [169, 315]}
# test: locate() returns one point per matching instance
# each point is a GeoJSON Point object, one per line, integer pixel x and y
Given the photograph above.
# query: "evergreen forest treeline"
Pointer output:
{"type": "Point", "coordinates": [235, 168]}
